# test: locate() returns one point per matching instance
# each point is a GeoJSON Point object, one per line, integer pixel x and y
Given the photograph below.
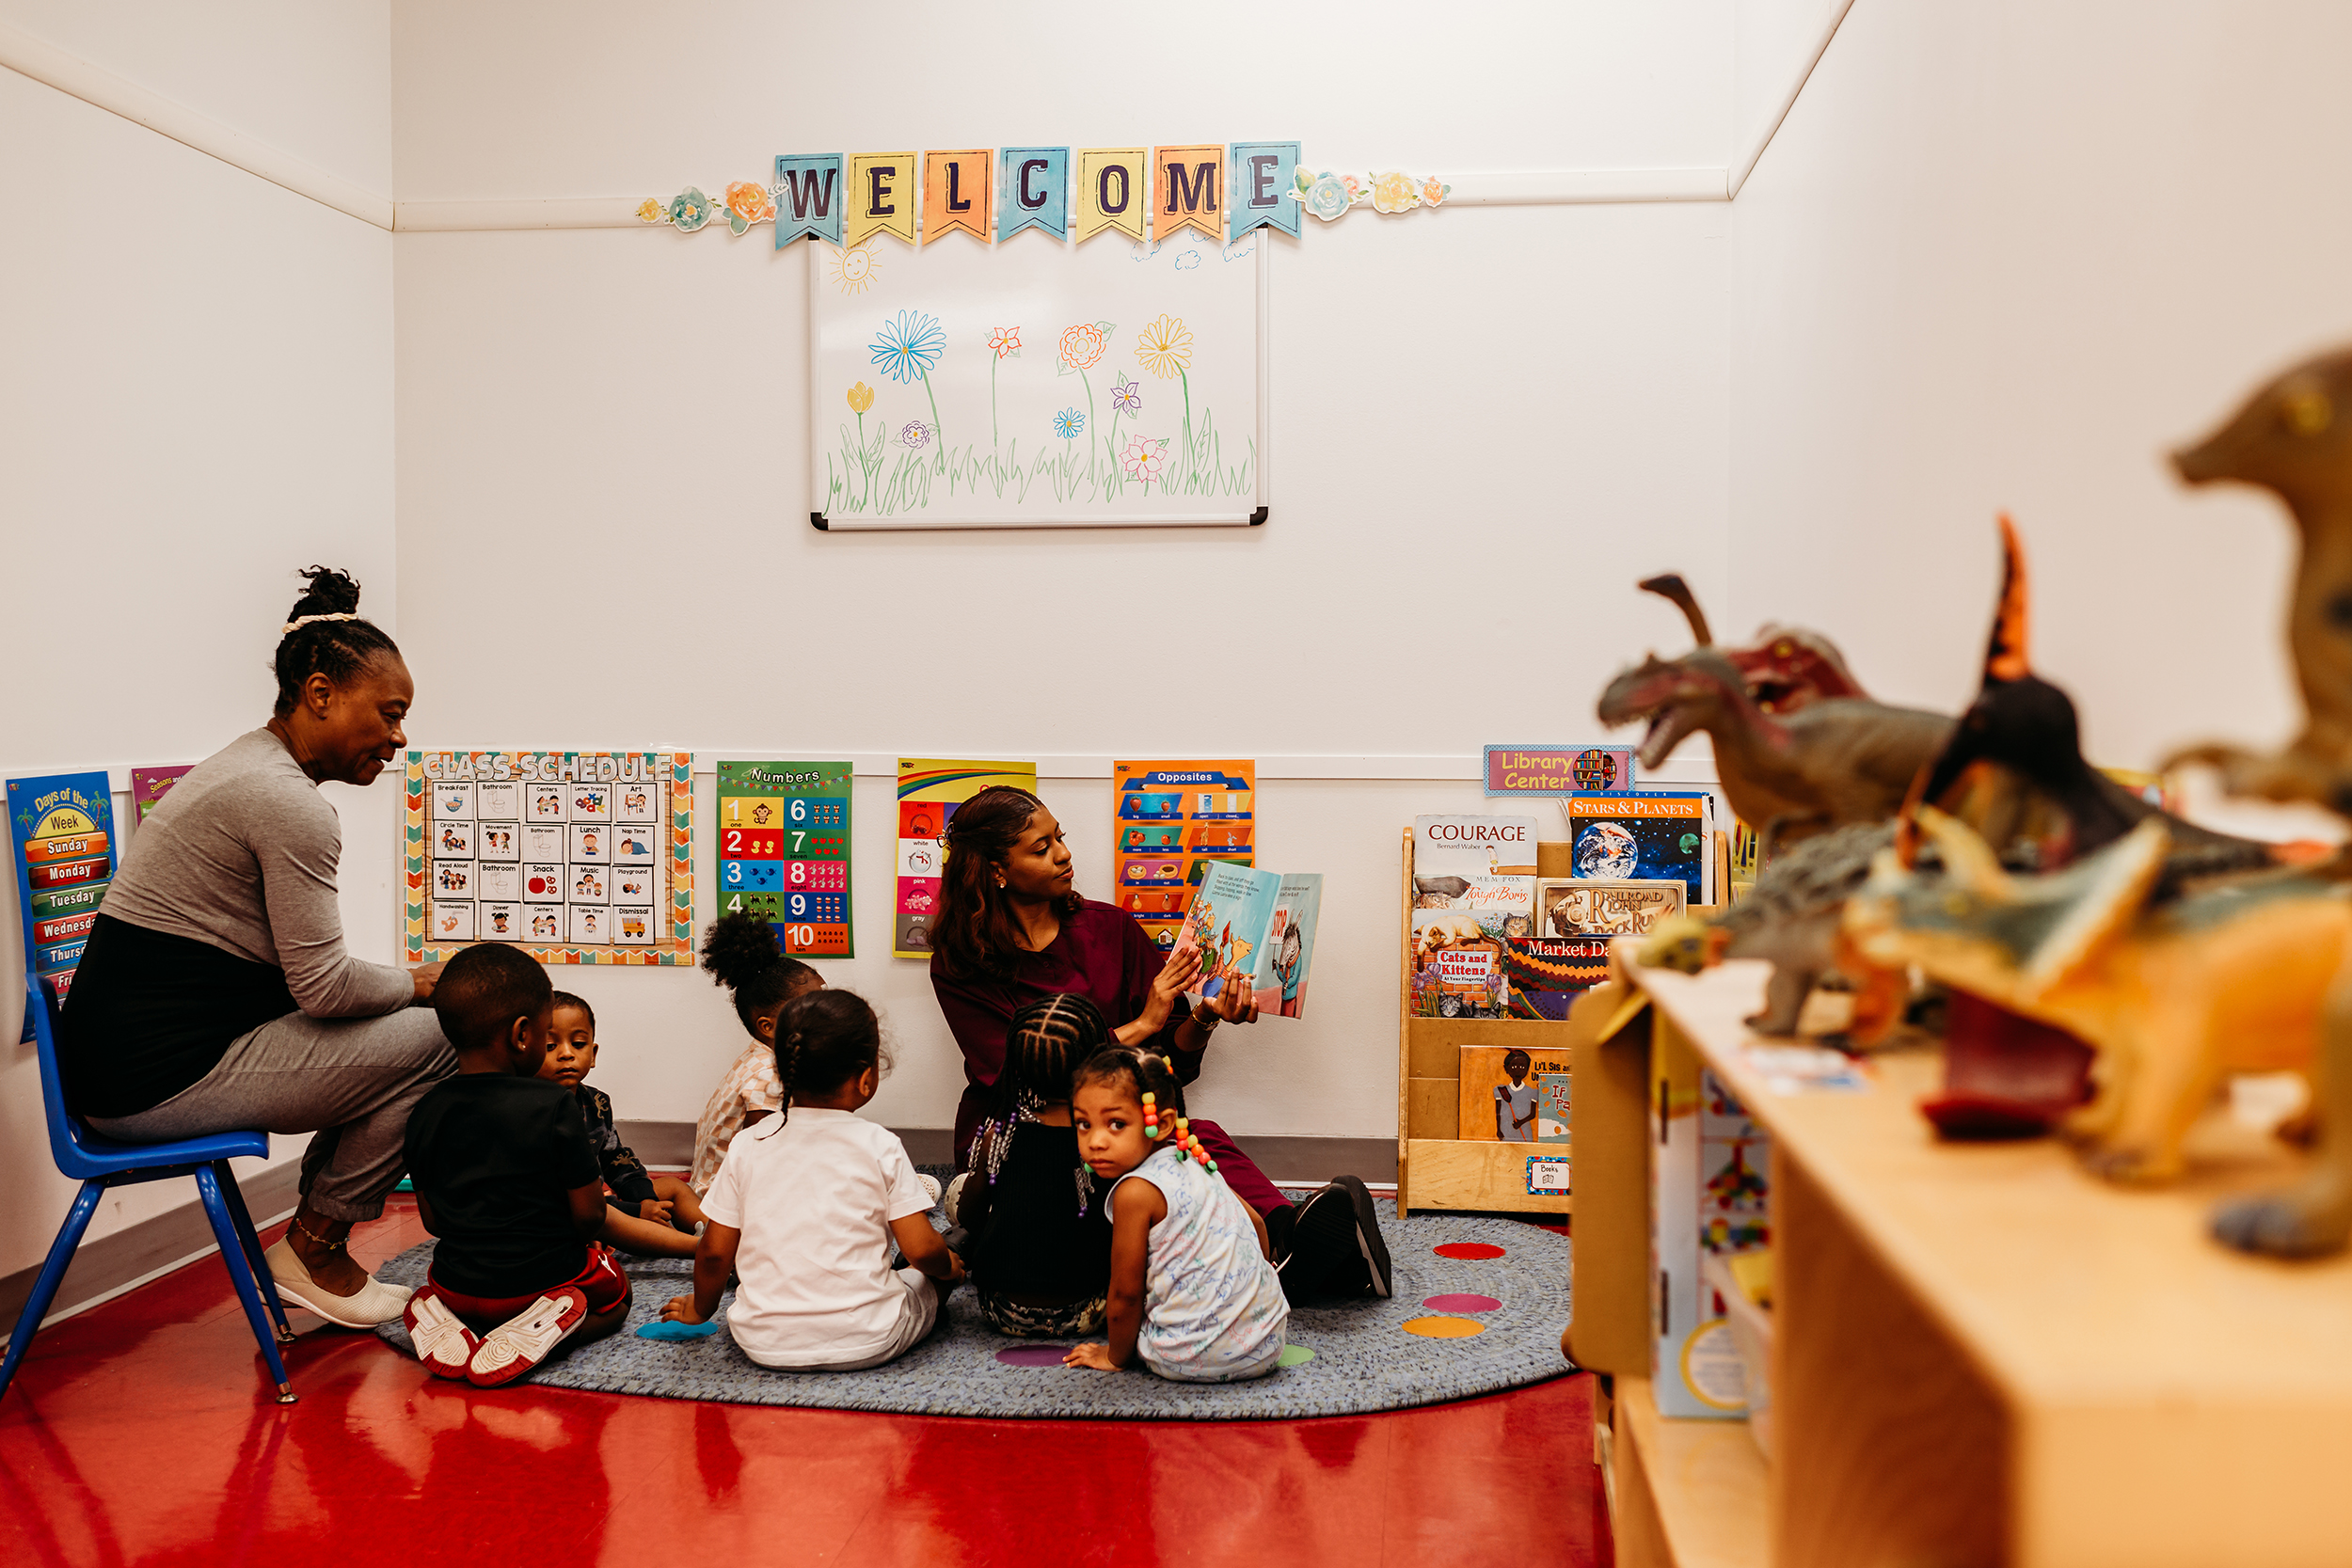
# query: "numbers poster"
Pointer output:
{"type": "Point", "coordinates": [1173, 821]}
{"type": "Point", "coordinates": [783, 852]}
{"type": "Point", "coordinates": [929, 790]}
{"type": "Point", "coordinates": [63, 828]}
{"type": "Point", "coordinates": [576, 857]}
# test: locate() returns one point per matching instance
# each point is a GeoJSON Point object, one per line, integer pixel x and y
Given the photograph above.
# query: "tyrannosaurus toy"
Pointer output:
{"type": "Point", "coordinates": [1833, 761]}
{"type": "Point", "coordinates": [1783, 668]}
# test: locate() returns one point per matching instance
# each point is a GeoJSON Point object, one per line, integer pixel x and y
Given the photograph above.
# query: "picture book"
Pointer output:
{"type": "Point", "coordinates": [1174, 819]}
{"type": "Point", "coordinates": [1645, 835]}
{"type": "Point", "coordinates": [1503, 1093]}
{"type": "Point", "coordinates": [1261, 924]}
{"type": "Point", "coordinates": [148, 785]}
{"type": "Point", "coordinates": [1473, 888]}
{"type": "Point", "coordinates": [1546, 974]}
{"type": "Point", "coordinates": [1463, 978]}
{"type": "Point", "coordinates": [1552, 1107]}
{"type": "Point", "coordinates": [1580, 907]}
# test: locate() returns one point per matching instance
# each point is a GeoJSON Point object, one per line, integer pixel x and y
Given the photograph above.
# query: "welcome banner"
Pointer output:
{"type": "Point", "coordinates": [1219, 190]}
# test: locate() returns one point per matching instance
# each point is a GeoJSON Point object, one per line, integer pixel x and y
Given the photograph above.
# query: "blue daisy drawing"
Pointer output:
{"type": "Point", "coordinates": [908, 347]}
{"type": "Point", "coordinates": [1069, 423]}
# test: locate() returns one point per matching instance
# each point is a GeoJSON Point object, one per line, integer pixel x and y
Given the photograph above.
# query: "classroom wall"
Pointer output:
{"type": "Point", "coordinates": [1486, 423]}
{"type": "Point", "coordinates": [2004, 255]}
{"type": "Point", "coordinates": [198, 399]}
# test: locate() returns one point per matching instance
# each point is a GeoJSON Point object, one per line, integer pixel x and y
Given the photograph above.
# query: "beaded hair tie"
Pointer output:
{"type": "Point", "coordinates": [1177, 1126]}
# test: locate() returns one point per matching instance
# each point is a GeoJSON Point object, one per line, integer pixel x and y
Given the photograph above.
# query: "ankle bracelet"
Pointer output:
{"type": "Point", "coordinates": [330, 1246]}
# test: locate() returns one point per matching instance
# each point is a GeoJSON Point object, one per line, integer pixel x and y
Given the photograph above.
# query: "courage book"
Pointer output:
{"type": "Point", "coordinates": [1261, 923]}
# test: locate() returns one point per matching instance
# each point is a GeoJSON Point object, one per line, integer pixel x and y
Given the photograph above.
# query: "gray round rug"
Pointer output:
{"type": "Point", "coordinates": [1364, 1357]}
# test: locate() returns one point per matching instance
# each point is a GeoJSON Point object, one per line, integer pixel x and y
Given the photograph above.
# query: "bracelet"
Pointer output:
{"type": "Point", "coordinates": [1205, 1024]}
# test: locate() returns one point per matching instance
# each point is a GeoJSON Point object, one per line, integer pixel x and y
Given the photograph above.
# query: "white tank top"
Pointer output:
{"type": "Point", "coordinates": [1212, 1306]}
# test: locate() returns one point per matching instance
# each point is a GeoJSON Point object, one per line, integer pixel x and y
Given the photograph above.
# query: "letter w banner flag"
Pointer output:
{"type": "Point", "coordinates": [956, 194]}
{"type": "Point", "coordinates": [808, 196]}
{"type": "Point", "coordinates": [1187, 191]}
{"type": "Point", "coordinates": [1033, 191]}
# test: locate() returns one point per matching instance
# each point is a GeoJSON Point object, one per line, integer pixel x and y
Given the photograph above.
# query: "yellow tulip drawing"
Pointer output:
{"type": "Point", "coordinates": [861, 398]}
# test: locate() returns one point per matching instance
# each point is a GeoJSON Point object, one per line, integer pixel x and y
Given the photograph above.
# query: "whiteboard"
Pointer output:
{"type": "Point", "coordinates": [1136, 395]}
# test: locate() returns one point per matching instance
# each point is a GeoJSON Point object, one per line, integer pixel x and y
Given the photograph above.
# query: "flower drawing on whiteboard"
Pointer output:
{"type": "Point", "coordinates": [908, 345]}
{"type": "Point", "coordinates": [1082, 346]}
{"type": "Point", "coordinates": [1165, 347]}
{"type": "Point", "coordinates": [1005, 342]}
{"type": "Point", "coordinates": [1144, 458]}
{"type": "Point", "coordinates": [854, 268]}
{"type": "Point", "coordinates": [1125, 398]}
{"type": "Point", "coordinates": [747, 204]}
{"type": "Point", "coordinates": [1069, 424]}
{"type": "Point", "coordinates": [915, 437]}
{"type": "Point", "coordinates": [861, 398]}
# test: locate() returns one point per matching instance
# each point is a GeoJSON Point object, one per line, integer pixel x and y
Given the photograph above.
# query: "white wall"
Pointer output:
{"type": "Point", "coordinates": [198, 399]}
{"type": "Point", "coordinates": [1486, 423]}
{"type": "Point", "coordinates": [2005, 255]}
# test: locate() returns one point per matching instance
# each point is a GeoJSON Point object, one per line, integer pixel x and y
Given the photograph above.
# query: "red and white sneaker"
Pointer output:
{"type": "Point", "coordinates": [442, 1343]}
{"type": "Point", "coordinates": [525, 1339]}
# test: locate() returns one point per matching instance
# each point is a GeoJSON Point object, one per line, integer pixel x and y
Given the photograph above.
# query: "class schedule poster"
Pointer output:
{"type": "Point", "coordinates": [1173, 820]}
{"type": "Point", "coordinates": [62, 825]}
{"type": "Point", "coordinates": [929, 790]}
{"type": "Point", "coordinates": [783, 852]}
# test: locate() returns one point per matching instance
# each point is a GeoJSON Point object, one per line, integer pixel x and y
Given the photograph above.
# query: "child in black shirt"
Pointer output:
{"type": "Point", "coordinates": [507, 1177]}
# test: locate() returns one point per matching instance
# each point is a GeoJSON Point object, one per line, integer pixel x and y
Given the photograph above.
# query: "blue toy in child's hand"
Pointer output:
{"type": "Point", "coordinates": [659, 1329]}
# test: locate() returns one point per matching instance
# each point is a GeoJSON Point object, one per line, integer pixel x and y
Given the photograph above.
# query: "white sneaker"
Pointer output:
{"type": "Point", "coordinates": [375, 1302]}
{"type": "Point", "coordinates": [521, 1342]}
{"type": "Point", "coordinates": [930, 1185]}
{"type": "Point", "coordinates": [441, 1343]}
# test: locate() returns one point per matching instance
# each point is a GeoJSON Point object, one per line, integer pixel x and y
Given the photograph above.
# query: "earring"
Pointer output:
{"type": "Point", "coordinates": [1000, 882]}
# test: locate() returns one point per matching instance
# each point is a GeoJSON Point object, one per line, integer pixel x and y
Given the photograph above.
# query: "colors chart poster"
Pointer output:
{"type": "Point", "coordinates": [929, 790]}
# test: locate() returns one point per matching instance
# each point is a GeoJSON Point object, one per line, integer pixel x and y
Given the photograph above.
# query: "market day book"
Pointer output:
{"type": "Point", "coordinates": [1249, 921]}
{"type": "Point", "coordinates": [1546, 974]}
{"type": "Point", "coordinates": [1646, 836]}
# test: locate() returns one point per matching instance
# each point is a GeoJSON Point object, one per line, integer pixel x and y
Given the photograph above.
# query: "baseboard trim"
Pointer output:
{"type": "Point", "coordinates": [1287, 1159]}
{"type": "Point", "coordinates": [104, 1269]}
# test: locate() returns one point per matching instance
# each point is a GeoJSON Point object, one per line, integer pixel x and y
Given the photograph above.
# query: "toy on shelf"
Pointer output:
{"type": "Point", "coordinates": [1831, 762]}
{"type": "Point", "coordinates": [1783, 668]}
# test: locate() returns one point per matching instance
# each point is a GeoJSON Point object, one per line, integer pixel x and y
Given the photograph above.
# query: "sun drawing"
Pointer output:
{"type": "Point", "coordinates": [854, 268]}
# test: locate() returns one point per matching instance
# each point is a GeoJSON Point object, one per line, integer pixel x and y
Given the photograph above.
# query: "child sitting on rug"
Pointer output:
{"type": "Point", "coordinates": [743, 954]}
{"type": "Point", "coordinates": [1039, 1228]}
{"type": "Point", "coordinates": [1192, 1290]}
{"type": "Point", "coordinates": [507, 1177]}
{"type": "Point", "coordinates": [806, 1205]}
{"type": "Point", "coordinates": [642, 1204]}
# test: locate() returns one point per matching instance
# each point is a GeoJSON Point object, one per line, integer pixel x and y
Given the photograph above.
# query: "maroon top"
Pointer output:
{"type": "Point", "coordinates": [1102, 955]}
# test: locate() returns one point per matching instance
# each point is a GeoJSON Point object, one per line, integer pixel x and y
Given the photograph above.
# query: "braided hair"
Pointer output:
{"type": "Point", "coordinates": [823, 1040]}
{"type": "Point", "coordinates": [742, 952]}
{"type": "Point", "coordinates": [1048, 1039]}
{"type": "Point", "coordinates": [339, 648]}
{"type": "Point", "coordinates": [1151, 1079]}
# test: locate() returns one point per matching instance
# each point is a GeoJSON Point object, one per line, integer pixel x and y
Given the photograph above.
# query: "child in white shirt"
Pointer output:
{"type": "Point", "coordinates": [805, 1206]}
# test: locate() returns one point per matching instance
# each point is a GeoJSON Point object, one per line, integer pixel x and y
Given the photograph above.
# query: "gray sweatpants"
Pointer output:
{"type": "Point", "coordinates": [350, 1080]}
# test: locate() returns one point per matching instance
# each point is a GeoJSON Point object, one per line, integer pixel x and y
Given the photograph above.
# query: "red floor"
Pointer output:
{"type": "Point", "coordinates": [139, 1433]}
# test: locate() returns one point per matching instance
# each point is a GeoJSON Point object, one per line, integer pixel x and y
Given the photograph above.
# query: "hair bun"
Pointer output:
{"type": "Point", "coordinates": [739, 947]}
{"type": "Point", "coordinates": [332, 593]}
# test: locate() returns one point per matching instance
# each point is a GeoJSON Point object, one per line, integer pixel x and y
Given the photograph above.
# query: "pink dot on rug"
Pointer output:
{"type": "Point", "coordinates": [1033, 1355]}
{"type": "Point", "coordinates": [1468, 1250]}
{"type": "Point", "coordinates": [1461, 1303]}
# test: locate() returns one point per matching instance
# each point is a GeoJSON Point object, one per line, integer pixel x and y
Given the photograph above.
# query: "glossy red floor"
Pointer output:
{"type": "Point", "coordinates": [139, 1433]}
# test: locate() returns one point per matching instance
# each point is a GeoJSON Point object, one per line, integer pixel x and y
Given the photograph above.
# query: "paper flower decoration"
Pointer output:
{"type": "Point", "coordinates": [1326, 196]}
{"type": "Point", "coordinates": [1165, 347]}
{"type": "Point", "coordinates": [861, 398]}
{"type": "Point", "coordinates": [1434, 191]}
{"type": "Point", "coordinates": [688, 210]}
{"type": "Point", "coordinates": [1004, 341]}
{"type": "Point", "coordinates": [917, 435]}
{"type": "Point", "coordinates": [1125, 398]}
{"type": "Point", "coordinates": [748, 204]}
{"type": "Point", "coordinates": [909, 346]}
{"type": "Point", "coordinates": [1069, 423]}
{"type": "Point", "coordinates": [650, 210]}
{"type": "Point", "coordinates": [1145, 457]}
{"type": "Point", "coordinates": [1082, 345]}
{"type": "Point", "coordinates": [1394, 193]}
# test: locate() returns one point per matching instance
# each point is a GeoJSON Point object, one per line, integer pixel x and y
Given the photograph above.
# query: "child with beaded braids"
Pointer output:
{"type": "Point", "coordinates": [1041, 1234]}
{"type": "Point", "coordinates": [1191, 1288]}
{"type": "Point", "coordinates": [806, 1205]}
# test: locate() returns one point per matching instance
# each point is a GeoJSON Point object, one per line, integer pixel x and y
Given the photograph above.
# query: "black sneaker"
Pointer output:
{"type": "Point", "coordinates": [1282, 1230]}
{"type": "Point", "coordinates": [1323, 1261]}
{"type": "Point", "coordinates": [1367, 1228]}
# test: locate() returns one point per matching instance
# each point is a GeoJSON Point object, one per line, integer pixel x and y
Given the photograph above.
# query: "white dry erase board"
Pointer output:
{"type": "Point", "coordinates": [1036, 384]}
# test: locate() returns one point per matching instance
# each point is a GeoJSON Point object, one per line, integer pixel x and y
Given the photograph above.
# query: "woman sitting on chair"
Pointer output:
{"type": "Point", "coordinates": [216, 993]}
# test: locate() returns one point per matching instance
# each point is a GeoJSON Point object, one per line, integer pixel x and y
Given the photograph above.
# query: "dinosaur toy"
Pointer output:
{"type": "Point", "coordinates": [1783, 668]}
{"type": "Point", "coordinates": [1833, 761]}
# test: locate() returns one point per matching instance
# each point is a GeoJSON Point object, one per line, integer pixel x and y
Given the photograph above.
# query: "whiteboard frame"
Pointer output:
{"type": "Point", "coordinates": [1251, 518]}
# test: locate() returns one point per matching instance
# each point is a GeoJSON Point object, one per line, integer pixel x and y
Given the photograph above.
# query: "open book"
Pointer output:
{"type": "Point", "coordinates": [1261, 924]}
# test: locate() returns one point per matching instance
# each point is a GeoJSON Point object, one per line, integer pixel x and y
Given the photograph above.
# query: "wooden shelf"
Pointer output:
{"type": "Point", "coordinates": [1984, 1354]}
{"type": "Point", "coordinates": [1689, 1494]}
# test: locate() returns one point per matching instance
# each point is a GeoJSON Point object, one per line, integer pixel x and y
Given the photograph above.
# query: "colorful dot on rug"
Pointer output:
{"type": "Point", "coordinates": [1442, 1328]}
{"type": "Point", "coordinates": [1461, 1303]}
{"type": "Point", "coordinates": [1295, 1356]}
{"type": "Point", "coordinates": [1033, 1355]}
{"type": "Point", "coordinates": [1468, 1250]}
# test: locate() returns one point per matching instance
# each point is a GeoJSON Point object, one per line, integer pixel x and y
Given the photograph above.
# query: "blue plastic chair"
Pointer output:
{"type": "Point", "coordinates": [101, 1163]}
